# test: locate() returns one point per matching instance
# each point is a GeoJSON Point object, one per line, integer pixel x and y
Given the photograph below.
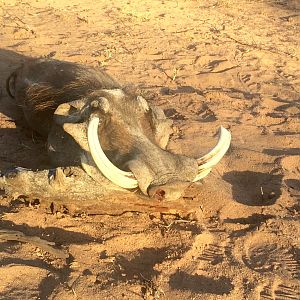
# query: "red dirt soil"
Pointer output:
{"type": "Point", "coordinates": [206, 63]}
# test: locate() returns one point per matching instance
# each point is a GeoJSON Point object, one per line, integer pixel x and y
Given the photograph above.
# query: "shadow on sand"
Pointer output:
{"type": "Point", "coordinates": [254, 188]}
{"type": "Point", "coordinates": [19, 145]}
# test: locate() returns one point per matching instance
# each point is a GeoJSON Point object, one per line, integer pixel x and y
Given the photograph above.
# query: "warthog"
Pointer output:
{"type": "Point", "coordinates": [89, 120]}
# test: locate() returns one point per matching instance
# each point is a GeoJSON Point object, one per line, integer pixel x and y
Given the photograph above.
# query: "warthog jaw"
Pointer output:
{"type": "Point", "coordinates": [127, 180]}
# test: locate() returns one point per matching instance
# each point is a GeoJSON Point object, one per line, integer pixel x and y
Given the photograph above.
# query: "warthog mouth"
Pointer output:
{"type": "Point", "coordinates": [127, 180]}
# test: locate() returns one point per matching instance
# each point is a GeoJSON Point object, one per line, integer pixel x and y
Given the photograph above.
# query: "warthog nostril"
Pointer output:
{"type": "Point", "coordinates": [157, 193]}
{"type": "Point", "coordinates": [169, 191]}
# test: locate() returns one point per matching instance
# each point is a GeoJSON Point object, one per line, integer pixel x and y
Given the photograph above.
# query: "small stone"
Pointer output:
{"type": "Point", "coordinates": [271, 195]}
{"type": "Point", "coordinates": [103, 254]}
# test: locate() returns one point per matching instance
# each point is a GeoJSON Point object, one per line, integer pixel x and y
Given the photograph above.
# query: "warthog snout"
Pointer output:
{"type": "Point", "coordinates": [170, 190]}
{"type": "Point", "coordinates": [165, 176]}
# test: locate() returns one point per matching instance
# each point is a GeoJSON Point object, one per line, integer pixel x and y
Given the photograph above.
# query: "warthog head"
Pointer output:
{"type": "Point", "coordinates": [109, 132]}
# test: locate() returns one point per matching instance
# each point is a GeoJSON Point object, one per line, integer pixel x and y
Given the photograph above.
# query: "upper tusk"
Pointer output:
{"type": "Point", "coordinates": [201, 174]}
{"type": "Point", "coordinates": [209, 160]}
{"type": "Point", "coordinates": [224, 141]}
{"type": "Point", "coordinates": [121, 178]}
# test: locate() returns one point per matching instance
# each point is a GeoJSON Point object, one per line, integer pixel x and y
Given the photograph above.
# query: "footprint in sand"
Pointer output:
{"type": "Point", "coordinates": [245, 78]}
{"type": "Point", "coordinates": [207, 249]}
{"type": "Point", "coordinates": [280, 290]}
{"type": "Point", "coordinates": [206, 252]}
{"type": "Point", "coordinates": [272, 254]}
{"type": "Point", "coordinates": [264, 254]}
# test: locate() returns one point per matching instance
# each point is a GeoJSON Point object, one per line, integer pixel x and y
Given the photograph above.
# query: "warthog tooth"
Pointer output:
{"type": "Point", "coordinates": [143, 103]}
{"type": "Point", "coordinates": [121, 178]}
{"type": "Point", "coordinates": [202, 174]}
{"type": "Point", "coordinates": [209, 160]}
{"type": "Point", "coordinates": [224, 139]}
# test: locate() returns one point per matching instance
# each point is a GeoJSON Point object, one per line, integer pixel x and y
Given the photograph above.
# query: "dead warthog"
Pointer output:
{"type": "Point", "coordinates": [89, 120]}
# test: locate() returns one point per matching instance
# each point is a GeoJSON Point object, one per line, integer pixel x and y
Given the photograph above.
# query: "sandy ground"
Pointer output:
{"type": "Point", "coordinates": [207, 63]}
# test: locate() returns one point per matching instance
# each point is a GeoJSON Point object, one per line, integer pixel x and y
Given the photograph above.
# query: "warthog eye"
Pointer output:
{"type": "Point", "coordinates": [100, 103]}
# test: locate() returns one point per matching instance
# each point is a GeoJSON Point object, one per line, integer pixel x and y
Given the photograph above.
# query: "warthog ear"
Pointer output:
{"type": "Point", "coordinates": [162, 126]}
{"type": "Point", "coordinates": [71, 112]}
{"type": "Point", "coordinates": [79, 110]}
{"type": "Point", "coordinates": [101, 104]}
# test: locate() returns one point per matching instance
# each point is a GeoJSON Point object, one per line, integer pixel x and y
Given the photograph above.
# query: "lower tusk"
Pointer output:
{"type": "Point", "coordinates": [121, 178]}
{"type": "Point", "coordinates": [209, 160]}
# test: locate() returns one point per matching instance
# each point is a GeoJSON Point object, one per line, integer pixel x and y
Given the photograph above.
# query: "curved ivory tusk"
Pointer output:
{"type": "Point", "coordinates": [209, 160]}
{"type": "Point", "coordinates": [121, 178]}
{"type": "Point", "coordinates": [201, 174]}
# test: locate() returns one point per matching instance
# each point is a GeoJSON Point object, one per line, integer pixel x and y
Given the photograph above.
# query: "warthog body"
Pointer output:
{"type": "Point", "coordinates": [78, 108]}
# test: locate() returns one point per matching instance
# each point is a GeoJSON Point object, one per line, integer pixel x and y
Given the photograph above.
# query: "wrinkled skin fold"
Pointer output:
{"type": "Point", "coordinates": [89, 120]}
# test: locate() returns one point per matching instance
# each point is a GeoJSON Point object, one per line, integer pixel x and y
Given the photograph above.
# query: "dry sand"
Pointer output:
{"type": "Point", "coordinates": [207, 63]}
